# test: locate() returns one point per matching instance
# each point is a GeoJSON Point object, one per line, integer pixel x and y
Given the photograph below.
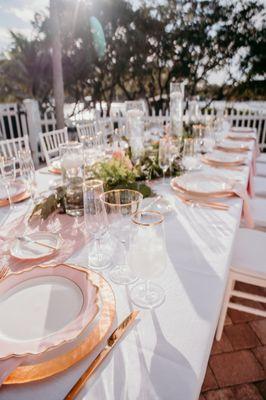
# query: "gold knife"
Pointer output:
{"type": "Point", "coordinates": [111, 342]}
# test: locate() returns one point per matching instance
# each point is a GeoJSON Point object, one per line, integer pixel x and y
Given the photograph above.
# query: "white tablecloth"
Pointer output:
{"type": "Point", "coordinates": [166, 354]}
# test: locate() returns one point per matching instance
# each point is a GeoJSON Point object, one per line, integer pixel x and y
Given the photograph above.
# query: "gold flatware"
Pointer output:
{"type": "Point", "coordinates": [204, 204]}
{"type": "Point", "coordinates": [28, 240]}
{"type": "Point", "coordinates": [111, 342]}
{"type": "Point", "coordinates": [3, 272]}
{"type": "Point", "coordinates": [213, 205]}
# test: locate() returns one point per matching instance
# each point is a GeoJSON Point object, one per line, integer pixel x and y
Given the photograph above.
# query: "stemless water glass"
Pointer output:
{"type": "Point", "coordinates": [8, 175]}
{"type": "Point", "coordinates": [96, 223]}
{"type": "Point", "coordinates": [27, 171]}
{"type": "Point", "coordinates": [147, 257]}
{"type": "Point", "coordinates": [72, 164]}
{"type": "Point", "coordinates": [164, 155]}
{"type": "Point", "coordinates": [175, 146]}
{"type": "Point", "coordinates": [120, 205]}
{"type": "Point", "coordinates": [190, 159]}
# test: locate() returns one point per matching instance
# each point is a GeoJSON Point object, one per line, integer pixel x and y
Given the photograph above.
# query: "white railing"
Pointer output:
{"type": "Point", "coordinates": [13, 121]}
{"type": "Point", "coordinates": [48, 121]}
{"type": "Point", "coordinates": [24, 119]}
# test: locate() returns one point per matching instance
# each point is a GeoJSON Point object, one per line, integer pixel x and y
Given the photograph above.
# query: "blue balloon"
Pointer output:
{"type": "Point", "coordinates": [99, 42]}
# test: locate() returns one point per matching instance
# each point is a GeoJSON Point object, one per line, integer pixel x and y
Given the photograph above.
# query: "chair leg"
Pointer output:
{"type": "Point", "coordinates": [229, 288]}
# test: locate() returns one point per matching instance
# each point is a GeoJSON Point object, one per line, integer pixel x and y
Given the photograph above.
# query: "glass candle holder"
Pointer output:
{"type": "Point", "coordinates": [72, 165]}
{"type": "Point", "coordinates": [176, 107]}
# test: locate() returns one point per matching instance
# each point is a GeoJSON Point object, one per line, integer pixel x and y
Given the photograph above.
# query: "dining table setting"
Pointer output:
{"type": "Point", "coordinates": [113, 290]}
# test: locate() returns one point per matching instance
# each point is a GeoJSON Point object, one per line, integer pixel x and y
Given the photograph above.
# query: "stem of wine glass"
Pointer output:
{"type": "Point", "coordinates": [9, 196]}
{"type": "Point", "coordinates": [124, 255]}
{"type": "Point", "coordinates": [147, 288]}
{"type": "Point", "coordinates": [98, 247]}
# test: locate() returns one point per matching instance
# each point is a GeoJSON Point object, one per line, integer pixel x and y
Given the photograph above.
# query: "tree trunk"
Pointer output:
{"type": "Point", "coordinates": [58, 84]}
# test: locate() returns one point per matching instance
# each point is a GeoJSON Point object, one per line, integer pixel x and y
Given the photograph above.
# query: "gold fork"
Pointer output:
{"type": "Point", "coordinates": [3, 272]}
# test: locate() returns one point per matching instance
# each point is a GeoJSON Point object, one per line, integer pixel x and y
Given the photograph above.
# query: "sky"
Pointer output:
{"type": "Point", "coordinates": [16, 15]}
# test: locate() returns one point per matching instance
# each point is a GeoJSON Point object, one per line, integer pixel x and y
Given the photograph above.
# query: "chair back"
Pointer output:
{"type": "Point", "coordinates": [50, 142]}
{"type": "Point", "coordinates": [11, 147]}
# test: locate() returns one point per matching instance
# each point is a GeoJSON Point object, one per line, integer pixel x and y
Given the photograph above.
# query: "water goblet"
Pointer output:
{"type": "Point", "coordinates": [96, 223]}
{"type": "Point", "coordinates": [164, 156]}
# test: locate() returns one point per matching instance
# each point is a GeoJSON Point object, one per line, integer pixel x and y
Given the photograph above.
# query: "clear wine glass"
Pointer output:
{"type": "Point", "coordinates": [120, 205]}
{"type": "Point", "coordinates": [164, 155]}
{"type": "Point", "coordinates": [147, 257]}
{"type": "Point", "coordinates": [27, 171]}
{"type": "Point", "coordinates": [8, 175]}
{"type": "Point", "coordinates": [96, 223]}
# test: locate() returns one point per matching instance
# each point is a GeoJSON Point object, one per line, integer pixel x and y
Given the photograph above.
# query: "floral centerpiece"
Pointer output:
{"type": "Point", "coordinates": [118, 172]}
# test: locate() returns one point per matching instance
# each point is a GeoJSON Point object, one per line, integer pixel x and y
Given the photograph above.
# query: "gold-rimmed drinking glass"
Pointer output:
{"type": "Point", "coordinates": [95, 223]}
{"type": "Point", "coordinates": [120, 205]}
{"type": "Point", "coordinates": [190, 159]}
{"type": "Point", "coordinates": [147, 257]}
{"type": "Point", "coordinates": [175, 146]}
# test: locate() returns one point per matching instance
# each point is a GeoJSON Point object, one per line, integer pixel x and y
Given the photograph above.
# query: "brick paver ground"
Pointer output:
{"type": "Point", "coordinates": [237, 364]}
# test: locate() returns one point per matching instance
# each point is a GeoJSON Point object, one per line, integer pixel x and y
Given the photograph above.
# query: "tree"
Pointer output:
{"type": "Point", "coordinates": [58, 84]}
{"type": "Point", "coordinates": [149, 46]}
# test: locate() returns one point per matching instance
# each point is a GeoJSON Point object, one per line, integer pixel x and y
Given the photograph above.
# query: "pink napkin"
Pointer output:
{"type": "Point", "coordinates": [71, 230]}
{"type": "Point", "coordinates": [242, 193]}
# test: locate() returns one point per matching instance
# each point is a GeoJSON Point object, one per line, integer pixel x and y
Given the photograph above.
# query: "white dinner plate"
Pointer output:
{"type": "Point", "coordinates": [17, 187]}
{"type": "Point", "coordinates": [220, 157]}
{"type": "Point", "coordinates": [44, 307]}
{"type": "Point", "coordinates": [201, 182]}
{"type": "Point", "coordinates": [241, 129]}
{"type": "Point", "coordinates": [32, 251]}
{"type": "Point", "coordinates": [55, 167]}
{"type": "Point", "coordinates": [229, 144]}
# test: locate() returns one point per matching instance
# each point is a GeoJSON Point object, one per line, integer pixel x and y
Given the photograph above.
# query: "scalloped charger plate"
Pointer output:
{"type": "Point", "coordinates": [44, 307]}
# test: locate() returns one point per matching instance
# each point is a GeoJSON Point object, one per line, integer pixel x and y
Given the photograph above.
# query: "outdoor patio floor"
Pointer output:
{"type": "Point", "coordinates": [237, 365]}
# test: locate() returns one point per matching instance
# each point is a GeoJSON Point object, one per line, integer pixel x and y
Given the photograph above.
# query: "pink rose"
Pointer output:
{"type": "Point", "coordinates": [118, 155]}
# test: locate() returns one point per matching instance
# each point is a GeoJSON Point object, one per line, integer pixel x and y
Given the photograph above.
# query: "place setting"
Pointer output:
{"type": "Point", "coordinates": [219, 159]}
{"type": "Point", "coordinates": [232, 146]}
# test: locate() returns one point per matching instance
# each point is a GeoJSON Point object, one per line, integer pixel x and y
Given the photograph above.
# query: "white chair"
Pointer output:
{"type": "Point", "coordinates": [248, 266]}
{"type": "Point", "coordinates": [11, 147]}
{"type": "Point", "coordinates": [258, 211]}
{"type": "Point", "coordinates": [106, 126]}
{"type": "Point", "coordinates": [50, 142]}
{"type": "Point", "coordinates": [88, 130]}
{"type": "Point", "coordinates": [260, 186]}
{"type": "Point", "coordinates": [261, 169]}
{"type": "Point", "coordinates": [262, 158]}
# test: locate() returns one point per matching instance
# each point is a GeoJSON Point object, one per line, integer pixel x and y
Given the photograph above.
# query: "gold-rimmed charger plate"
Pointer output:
{"type": "Point", "coordinates": [196, 194]}
{"type": "Point", "coordinates": [15, 199]}
{"type": "Point", "coordinates": [60, 363]}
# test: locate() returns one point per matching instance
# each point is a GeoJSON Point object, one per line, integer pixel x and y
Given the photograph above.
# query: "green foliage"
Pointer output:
{"type": "Point", "coordinates": [54, 202]}
{"type": "Point", "coordinates": [113, 172]}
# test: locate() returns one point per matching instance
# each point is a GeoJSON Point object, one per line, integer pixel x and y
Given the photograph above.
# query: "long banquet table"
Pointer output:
{"type": "Point", "coordinates": [165, 355]}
